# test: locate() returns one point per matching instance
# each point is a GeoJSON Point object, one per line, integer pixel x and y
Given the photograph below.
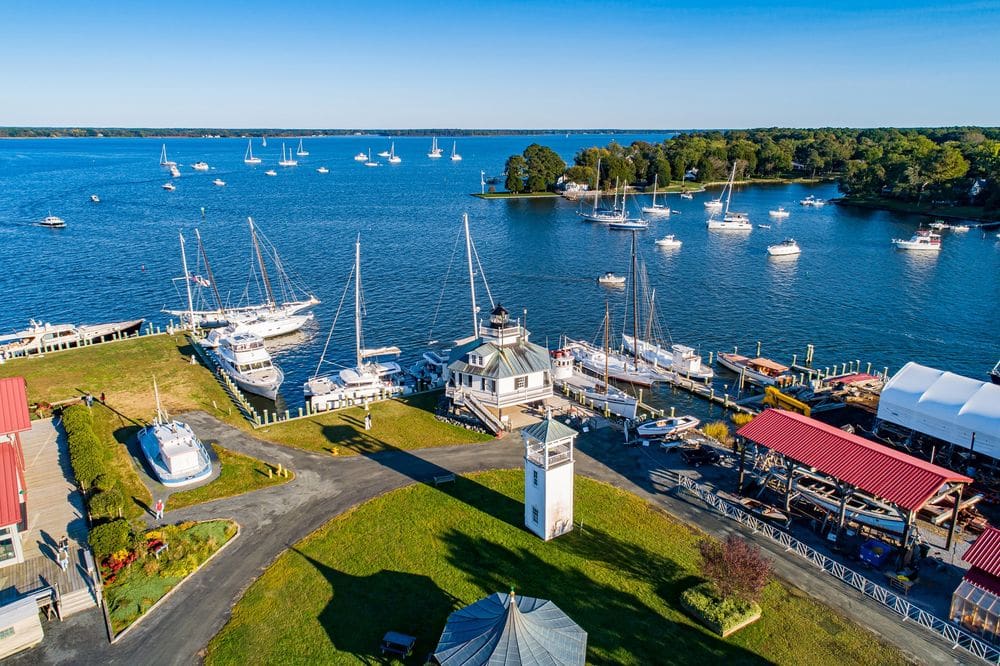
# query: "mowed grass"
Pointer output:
{"type": "Point", "coordinates": [144, 582]}
{"type": "Point", "coordinates": [240, 474]}
{"type": "Point", "coordinates": [124, 371]}
{"type": "Point", "coordinates": [404, 561]}
{"type": "Point", "coordinates": [406, 423]}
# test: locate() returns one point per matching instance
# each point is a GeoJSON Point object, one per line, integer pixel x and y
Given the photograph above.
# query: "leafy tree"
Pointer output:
{"type": "Point", "coordinates": [581, 174]}
{"type": "Point", "coordinates": [516, 173]}
{"type": "Point", "coordinates": [735, 566]}
{"type": "Point", "coordinates": [544, 167]}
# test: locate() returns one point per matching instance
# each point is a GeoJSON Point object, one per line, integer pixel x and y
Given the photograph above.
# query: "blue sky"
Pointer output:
{"type": "Point", "coordinates": [499, 64]}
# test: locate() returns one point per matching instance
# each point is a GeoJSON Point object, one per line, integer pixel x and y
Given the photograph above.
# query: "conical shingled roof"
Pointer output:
{"type": "Point", "coordinates": [495, 632]}
{"type": "Point", "coordinates": [549, 430]}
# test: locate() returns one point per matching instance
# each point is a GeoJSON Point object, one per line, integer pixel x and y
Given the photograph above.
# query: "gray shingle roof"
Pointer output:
{"type": "Point", "coordinates": [495, 632]}
{"type": "Point", "coordinates": [549, 430]}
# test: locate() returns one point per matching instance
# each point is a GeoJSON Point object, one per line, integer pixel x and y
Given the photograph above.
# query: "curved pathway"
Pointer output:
{"type": "Point", "coordinates": [324, 486]}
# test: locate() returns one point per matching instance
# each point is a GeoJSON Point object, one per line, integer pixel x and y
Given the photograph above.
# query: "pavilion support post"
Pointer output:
{"type": "Point", "coordinates": [842, 510]}
{"type": "Point", "coordinates": [904, 553]}
{"type": "Point", "coordinates": [954, 517]}
{"type": "Point", "coordinates": [790, 470]}
{"type": "Point", "coordinates": [742, 443]}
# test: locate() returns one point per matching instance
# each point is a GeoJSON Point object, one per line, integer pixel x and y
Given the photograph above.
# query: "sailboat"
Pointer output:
{"type": "Point", "coordinates": [393, 157]}
{"type": "Point", "coordinates": [677, 358]}
{"type": "Point", "coordinates": [248, 158]}
{"type": "Point", "coordinates": [270, 318]}
{"type": "Point", "coordinates": [263, 141]}
{"type": "Point", "coordinates": [435, 151]}
{"type": "Point", "coordinates": [369, 379]}
{"type": "Point", "coordinates": [455, 157]}
{"type": "Point", "coordinates": [605, 215]}
{"type": "Point", "coordinates": [163, 158]}
{"type": "Point", "coordinates": [369, 162]}
{"type": "Point", "coordinates": [731, 221]}
{"type": "Point", "coordinates": [605, 396]}
{"type": "Point", "coordinates": [174, 453]}
{"type": "Point", "coordinates": [287, 161]}
{"type": "Point", "coordinates": [684, 193]}
{"type": "Point", "coordinates": [654, 209]}
{"type": "Point", "coordinates": [715, 205]}
{"type": "Point", "coordinates": [301, 152]}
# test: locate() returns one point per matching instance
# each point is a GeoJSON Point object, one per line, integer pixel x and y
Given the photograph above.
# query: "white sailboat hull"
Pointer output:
{"type": "Point", "coordinates": [678, 359]}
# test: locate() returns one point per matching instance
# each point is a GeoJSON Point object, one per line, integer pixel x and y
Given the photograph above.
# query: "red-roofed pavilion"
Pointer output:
{"type": "Point", "coordinates": [14, 419]}
{"type": "Point", "coordinates": [976, 601]}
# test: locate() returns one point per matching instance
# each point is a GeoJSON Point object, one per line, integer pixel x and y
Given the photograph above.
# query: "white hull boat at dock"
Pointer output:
{"type": "Point", "coordinates": [667, 427]}
{"type": "Point", "coordinates": [611, 399]}
{"type": "Point", "coordinates": [761, 371]}
{"type": "Point", "coordinates": [679, 359]}
{"type": "Point", "coordinates": [619, 367]}
{"type": "Point", "coordinates": [243, 357]}
{"type": "Point", "coordinates": [41, 337]}
{"type": "Point", "coordinates": [265, 327]}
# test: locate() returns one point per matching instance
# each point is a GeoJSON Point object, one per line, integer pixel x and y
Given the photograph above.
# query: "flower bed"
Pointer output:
{"type": "Point", "coordinates": [723, 616]}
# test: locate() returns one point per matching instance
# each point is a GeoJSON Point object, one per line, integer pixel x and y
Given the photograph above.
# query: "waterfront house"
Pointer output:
{"type": "Point", "coordinates": [500, 368]}
{"type": "Point", "coordinates": [976, 602]}
{"type": "Point", "coordinates": [14, 419]}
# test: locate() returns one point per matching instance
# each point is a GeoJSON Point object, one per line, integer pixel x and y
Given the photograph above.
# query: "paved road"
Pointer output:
{"type": "Point", "coordinates": [324, 486]}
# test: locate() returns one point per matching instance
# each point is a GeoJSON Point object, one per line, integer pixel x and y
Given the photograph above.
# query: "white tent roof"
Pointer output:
{"type": "Point", "coordinates": [942, 404]}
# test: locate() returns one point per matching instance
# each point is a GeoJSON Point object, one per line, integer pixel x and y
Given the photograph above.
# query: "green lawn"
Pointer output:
{"type": "Point", "coordinates": [406, 423]}
{"type": "Point", "coordinates": [141, 584]}
{"type": "Point", "coordinates": [113, 431]}
{"type": "Point", "coordinates": [404, 561]}
{"type": "Point", "coordinates": [240, 474]}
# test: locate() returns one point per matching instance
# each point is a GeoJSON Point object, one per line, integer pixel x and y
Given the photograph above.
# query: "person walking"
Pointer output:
{"type": "Point", "coordinates": [102, 397]}
{"type": "Point", "coordinates": [63, 558]}
{"type": "Point", "coordinates": [368, 421]}
{"type": "Point", "coordinates": [158, 507]}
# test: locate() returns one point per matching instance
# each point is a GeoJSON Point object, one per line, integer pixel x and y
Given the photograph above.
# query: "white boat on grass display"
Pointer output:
{"type": "Point", "coordinates": [667, 427]}
{"type": "Point", "coordinates": [369, 379]}
{"type": "Point", "coordinates": [174, 453]}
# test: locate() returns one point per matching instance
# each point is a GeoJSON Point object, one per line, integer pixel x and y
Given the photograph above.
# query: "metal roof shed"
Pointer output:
{"type": "Point", "coordinates": [950, 407]}
{"type": "Point", "coordinates": [509, 630]}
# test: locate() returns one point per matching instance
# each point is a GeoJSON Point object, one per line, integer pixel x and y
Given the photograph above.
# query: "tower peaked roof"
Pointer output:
{"type": "Point", "coordinates": [511, 630]}
{"type": "Point", "coordinates": [549, 430]}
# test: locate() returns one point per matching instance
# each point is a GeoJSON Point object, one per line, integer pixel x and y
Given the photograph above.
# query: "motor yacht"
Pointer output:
{"type": "Point", "coordinates": [52, 222]}
{"type": "Point", "coordinates": [270, 172]}
{"type": "Point", "coordinates": [322, 169]}
{"type": "Point", "coordinates": [922, 241]}
{"type": "Point", "coordinates": [785, 248]}
{"type": "Point", "coordinates": [611, 280]}
{"type": "Point", "coordinates": [170, 187]}
{"type": "Point", "coordinates": [95, 198]}
{"type": "Point", "coordinates": [668, 242]}
{"type": "Point", "coordinates": [244, 358]}
{"type": "Point", "coordinates": [779, 214]}
{"type": "Point", "coordinates": [200, 166]}
{"type": "Point", "coordinates": [218, 182]}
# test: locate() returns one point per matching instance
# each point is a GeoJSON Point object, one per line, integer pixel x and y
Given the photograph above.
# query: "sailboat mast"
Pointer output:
{"type": "Point", "coordinates": [656, 177]}
{"type": "Point", "coordinates": [260, 262]}
{"type": "Point", "coordinates": [187, 283]}
{"type": "Point", "coordinates": [357, 299]}
{"type": "Point", "coordinates": [472, 278]}
{"type": "Point", "coordinates": [161, 416]}
{"type": "Point", "coordinates": [208, 269]}
{"type": "Point", "coordinates": [597, 185]}
{"type": "Point", "coordinates": [649, 316]}
{"type": "Point", "coordinates": [635, 305]}
{"type": "Point", "coordinates": [607, 344]}
{"type": "Point", "coordinates": [732, 178]}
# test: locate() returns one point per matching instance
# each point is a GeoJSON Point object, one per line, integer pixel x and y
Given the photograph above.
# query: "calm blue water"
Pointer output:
{"type": "Point", "coordinates": [849, 293]}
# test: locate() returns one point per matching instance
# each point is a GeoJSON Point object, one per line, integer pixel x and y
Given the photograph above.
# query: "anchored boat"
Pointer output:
{"type": "Point", "coordinates": [761, 371]}
{"type": "Point", "coordinates": [41, 337]}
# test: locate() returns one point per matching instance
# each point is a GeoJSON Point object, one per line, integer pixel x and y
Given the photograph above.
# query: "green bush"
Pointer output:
{"type": "Point", "coordinates": [77, 418]}
{"type": "Point", "coordinates": [703, 602]}
{"type": "Point", "coordinates": [108, 503]}
{"type": "Point", "coordinates": [86, 457]}
{"type": "Point", "coordinates": [110, 537]}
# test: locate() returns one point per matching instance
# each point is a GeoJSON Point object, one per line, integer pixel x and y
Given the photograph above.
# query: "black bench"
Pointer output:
{"type": "Point", "coordinates": [444, 478]}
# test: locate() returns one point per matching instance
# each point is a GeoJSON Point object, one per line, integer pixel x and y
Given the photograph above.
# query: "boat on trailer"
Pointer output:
{"type": "Point", "coordinates": [667, 427]}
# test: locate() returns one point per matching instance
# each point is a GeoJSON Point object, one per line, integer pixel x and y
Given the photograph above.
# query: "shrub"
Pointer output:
{"type": "Point", "coordinates": [76, 418]}
{"type": "Point", "coordinates": [740, 419]}
{"type": "Point", "coordinates": [723, 615]}
{"type": "Point", "coordinates": [85, 458]}
{"type": "Point", "coordinates": [110, 537]}
{"type": "Point", "coordinates": [107, 503]}
{"type": "Point", "coordinates": [735, 566]}
{"type": "Point", "coordinates": [718, 430]}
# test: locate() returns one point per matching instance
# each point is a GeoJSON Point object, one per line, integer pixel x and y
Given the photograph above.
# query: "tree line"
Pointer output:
{"type": "Point", "coordinates": [959, 165]}
{"type": "Point", "coordinates": [195, 132]}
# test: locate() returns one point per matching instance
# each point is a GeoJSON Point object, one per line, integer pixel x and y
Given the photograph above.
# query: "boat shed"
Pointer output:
{"type": "Point", "coordinates": [958, 410]}
{"type": "Point", "coordinates": [860, 469]}
{"type": "Point", "coordinates": [510, 630]}
{"type": "Point", "coordinates": [976, 602]}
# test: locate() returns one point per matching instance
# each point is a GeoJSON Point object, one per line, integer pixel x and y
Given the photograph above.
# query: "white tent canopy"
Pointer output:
{"type": "Point", "coordinates": [944, 405]}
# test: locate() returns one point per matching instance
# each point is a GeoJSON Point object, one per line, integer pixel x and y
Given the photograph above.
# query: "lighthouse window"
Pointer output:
{"type": "Point", "coordinates": [534, 514]}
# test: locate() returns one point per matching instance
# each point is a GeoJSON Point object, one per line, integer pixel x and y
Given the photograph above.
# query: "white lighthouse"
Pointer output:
{"type": "Point", "coordinates": [548, 478]}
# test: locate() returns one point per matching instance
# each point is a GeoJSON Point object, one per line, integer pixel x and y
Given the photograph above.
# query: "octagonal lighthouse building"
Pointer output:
{"type": "Point", "coordinates": [498, 369]}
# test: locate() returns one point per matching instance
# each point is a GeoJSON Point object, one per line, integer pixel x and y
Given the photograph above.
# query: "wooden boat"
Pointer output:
{"type": "Point", "coordinates": [761, 510]}
{"type": "Point", "coordinates": [760, 370]}
{"type": "Point", "coordinates": [667, 427]}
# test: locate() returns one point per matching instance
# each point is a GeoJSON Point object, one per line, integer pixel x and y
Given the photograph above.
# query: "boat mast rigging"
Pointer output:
{"type": "Point", "coordinates": [260, 261]}
{"type": "Point", "coordinates": [472, 279]}
{"type": "Point", "coordinates": [635, 304]}
{"type": "Point", "coordinates": [208, 270]}
{"type": "Point", "coordinates": [187, 283]}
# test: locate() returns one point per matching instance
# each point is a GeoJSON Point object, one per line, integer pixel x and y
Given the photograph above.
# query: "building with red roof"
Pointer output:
{"type": "Point", "coordinates": [976, 602]}
{"type": "Point", "coordinates": [14, 419]}
{"type": "Point", "coordinates": [852, 477]}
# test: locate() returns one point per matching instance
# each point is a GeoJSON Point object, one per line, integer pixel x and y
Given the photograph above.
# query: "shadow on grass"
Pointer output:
{"type": "Point", "coordinates": [363, 608]}
{"type": "Point", "coordinates": [620, 626]}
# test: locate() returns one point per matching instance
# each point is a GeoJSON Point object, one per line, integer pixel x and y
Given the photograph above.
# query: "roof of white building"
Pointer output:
{"type": "Point", "coordinates": [549, 430]}
{"type": "Point", "coordinates": [512, 360]}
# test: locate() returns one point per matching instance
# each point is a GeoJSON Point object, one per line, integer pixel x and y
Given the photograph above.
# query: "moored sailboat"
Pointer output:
{"type": "Point", "coordinates": [248, 157]}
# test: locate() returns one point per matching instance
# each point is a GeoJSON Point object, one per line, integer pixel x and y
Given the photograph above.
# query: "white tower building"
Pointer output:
{"type": "Point", "coordinates": [548, 478]}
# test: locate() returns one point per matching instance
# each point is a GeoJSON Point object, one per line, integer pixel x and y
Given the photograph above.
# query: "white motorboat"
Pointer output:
{"type": "Point", "coordinates": [680, 359]}
{"type": "Point", "coordinates": [384, 153]}
{"type": "Point", "coordinates": [629, 225]}
{"type": "Point", "coordinates": [174, 172]}
{"type": "Point", "coordinates": [265, 327]}
{"type": "Point", "coordinates": [714, 205]}
{"type": "Point", "coordinates": [922, 241]}
{"type": "Point", "coordinates": [200, 166]}
{"type": "Point", "coordinates": [785, 248]}
{"type": "Point", "coordinates": [322, 169]}
{"type": "Point", "coordinates": [278, 315]}
{"type": "Point", "coordinates": [779, 214]}
{"type": "Point", "coordinates": [655, 209]}
{"type": "Point", "coordinates": [687, 195]}
{"type": "Point", "coordinates": [174, 453]}
{"type": "Point", "coordinates": [163, 158]}
{"type": "Point", "coordinates": [270, 172]}
{"type": "Point", "coordinates": [95, 198]}
{"type": "Point", "coordinates": [302, 152]}
{"type": "Point", "coordinates": [667, 427]}
{"type": "Point", "coordinates": [761, 371]}
{"type": "Point", "coordinates": [52, 222]}
{"type": "Point", "coordinates": [430, 370]}
{"type": "Point", "coordinates": [218, 182]}
{"type": "Point", "coordinates": [243, 356]}
{"type": "Point", "coordinates": [41, 337]}
{"type": "Point", "coordinates": [248, 157]}
{"type": "Point", "coordinates": [668, 242]}
{"type": "Point", "coordinates": [763, 226]}
{"type": "Point", "coordinates": [170, 187]}
{"type": "Point", "coordinates": [435, 152]}
{"type": "Point", "coordinates": [811, 200]}
{"type": "Point", "coordinates": [369, 379]}
{"type": "Point", "coordinates": [959, 227]}
{"type": "Point", "coordinates": [361, 157]}
{"type": "Point", "coordinates": [611, 280]}
{"type": "Point", "coordinates": [938, 225]}
{"type": "Point", "coordinates": [287, 160]}
{"type": "Point", "coordinates": [393, 157]}
{"type": "Point", "coordinates": [455, 157]}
